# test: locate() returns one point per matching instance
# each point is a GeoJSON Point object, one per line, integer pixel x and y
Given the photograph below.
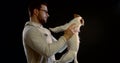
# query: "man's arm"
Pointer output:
{"type": "Point", "coordinates": [63, 48]}
{"type": "Point", "coordinates": [36, 41]}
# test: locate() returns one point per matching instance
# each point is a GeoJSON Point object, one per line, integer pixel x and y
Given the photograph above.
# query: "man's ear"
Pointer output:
{"type": "Point", "coordinates": [35, 11]}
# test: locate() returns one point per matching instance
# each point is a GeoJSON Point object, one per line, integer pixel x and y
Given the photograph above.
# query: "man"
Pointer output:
{"type": "Point", "coordinates": [39, 45]}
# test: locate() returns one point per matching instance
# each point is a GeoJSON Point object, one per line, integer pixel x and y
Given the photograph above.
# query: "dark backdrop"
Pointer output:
{"type": "Point", "coordinates": [95, 35]}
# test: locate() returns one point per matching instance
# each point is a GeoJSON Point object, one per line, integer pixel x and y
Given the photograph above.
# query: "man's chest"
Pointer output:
{"type": "Point", "coordinates": [46, 35]}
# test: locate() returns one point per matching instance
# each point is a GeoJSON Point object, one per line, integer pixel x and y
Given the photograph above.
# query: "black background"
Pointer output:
{"type": "Point", "coordinates": [101, 24]}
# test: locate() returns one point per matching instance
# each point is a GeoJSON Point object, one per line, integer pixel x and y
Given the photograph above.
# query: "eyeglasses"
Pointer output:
{"type": "Point", "coordinates": [44, 10]}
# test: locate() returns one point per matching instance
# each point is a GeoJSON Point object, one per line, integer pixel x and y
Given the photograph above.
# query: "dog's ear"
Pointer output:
{"type": "Point", "coordinates": [76, 15]}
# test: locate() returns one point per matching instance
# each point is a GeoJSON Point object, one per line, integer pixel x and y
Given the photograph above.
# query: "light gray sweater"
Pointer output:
{"type": "Point", "coordinates": [39, 45]}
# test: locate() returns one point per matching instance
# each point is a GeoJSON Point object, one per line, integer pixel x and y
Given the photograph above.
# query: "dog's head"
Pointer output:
{"type": "Point", "coordinates": [81, 19]}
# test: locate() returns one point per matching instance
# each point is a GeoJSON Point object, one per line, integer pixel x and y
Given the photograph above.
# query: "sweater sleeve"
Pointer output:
{"type": "Point", "coordinates": [35, 40]}
{"type": "Point", "coordinates": [63, 48]}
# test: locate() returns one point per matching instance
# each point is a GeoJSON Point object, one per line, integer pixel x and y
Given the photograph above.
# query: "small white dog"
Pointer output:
{"type": "Point", "coordinates": [74, 42]}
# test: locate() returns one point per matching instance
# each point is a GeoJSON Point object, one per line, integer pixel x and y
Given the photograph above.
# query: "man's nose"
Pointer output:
{"type": "Point", "coordinates": [48, 15]}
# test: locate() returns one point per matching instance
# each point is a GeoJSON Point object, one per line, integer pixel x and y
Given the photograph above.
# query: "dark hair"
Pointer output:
{"type": "Point", "coordinates": [35, 4]}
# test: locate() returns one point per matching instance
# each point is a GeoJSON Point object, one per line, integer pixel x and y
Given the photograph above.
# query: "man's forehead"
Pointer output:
{"type": "Point", "coordinates": [44, 7]}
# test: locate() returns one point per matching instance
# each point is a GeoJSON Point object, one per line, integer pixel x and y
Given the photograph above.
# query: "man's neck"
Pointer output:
{"type": "Point", "coordinates": [35, 20]}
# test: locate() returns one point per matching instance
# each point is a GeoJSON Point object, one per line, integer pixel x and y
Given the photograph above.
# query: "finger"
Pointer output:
{"type": "Point", "coordinates": [72, 26]}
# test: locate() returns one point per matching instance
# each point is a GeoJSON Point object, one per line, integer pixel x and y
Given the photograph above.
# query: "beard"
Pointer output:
{"type": "Point", "coordinates": [41, 20]}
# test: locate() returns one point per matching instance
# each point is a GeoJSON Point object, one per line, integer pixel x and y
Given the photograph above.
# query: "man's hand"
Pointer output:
{"type": "Point", "coordinates": [70, 31]}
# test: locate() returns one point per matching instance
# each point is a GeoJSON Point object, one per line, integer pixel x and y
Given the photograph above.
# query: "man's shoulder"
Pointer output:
{"type": "Point", "coordinates": [30, 28]}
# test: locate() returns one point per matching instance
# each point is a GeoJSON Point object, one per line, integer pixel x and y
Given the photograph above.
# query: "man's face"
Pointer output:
{"type": "Point", "coordinates": [43, 14]}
